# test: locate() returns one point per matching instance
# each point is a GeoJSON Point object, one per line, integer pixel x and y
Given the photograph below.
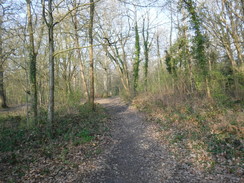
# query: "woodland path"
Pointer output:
{"type": "Point", "coordinates": [135, 154]}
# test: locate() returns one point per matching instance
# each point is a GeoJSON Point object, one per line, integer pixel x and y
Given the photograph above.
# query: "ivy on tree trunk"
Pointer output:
{"type": "Point", "coordinates": [199, 41]}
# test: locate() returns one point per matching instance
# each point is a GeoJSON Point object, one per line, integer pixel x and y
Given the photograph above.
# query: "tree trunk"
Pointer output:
{"type": "Point", "coordinates": [2, 92]}
{"type": "Point", "coordinates": [191, 78]}
{"type": "Point", "coordinates": [106, 79]}
{"type": "Point", "coordinates": [171, 24]}
{"type": "Point", "coordinates": [145, 35]}
{"type": "Point", "coordinates": [92, 95]}
{"type": "Point", "coordinates": [136, 61]}
{"type": "Point", "coordinates": [200, 54]}
{"type": "Point", "coordinates": [105, 84]}
{"type": "Point", "coordinates": [51, 64]}
{"type": "Point", "coordinates": [125, 73]}
{"type": "Point", "coordinates": [160, 68]}
{"type": "Point", "coordinates": [32, 62]}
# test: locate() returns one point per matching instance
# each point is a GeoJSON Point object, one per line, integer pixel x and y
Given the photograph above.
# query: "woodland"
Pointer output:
{"type": "Point", "coordinates": [181, 62]}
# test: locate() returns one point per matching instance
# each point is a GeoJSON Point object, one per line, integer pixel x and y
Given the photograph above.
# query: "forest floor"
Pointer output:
{"type": "Point", "coordinates": [137, 154]}
{"type": "Point", "coordinates": [121, 147]}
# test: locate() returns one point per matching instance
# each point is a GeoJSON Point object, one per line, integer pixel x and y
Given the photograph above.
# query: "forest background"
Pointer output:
{"type": "Point", "coordinates": [181, 61]}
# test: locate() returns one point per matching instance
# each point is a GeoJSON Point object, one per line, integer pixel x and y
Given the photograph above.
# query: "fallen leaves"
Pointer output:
{"type": "Point", "coordinates": [209, 137]}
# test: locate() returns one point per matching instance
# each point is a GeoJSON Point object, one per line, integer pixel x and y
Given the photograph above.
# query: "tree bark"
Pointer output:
{"type": "Point", "coordinates": [3, 103]}
{"type": "Point", "coordinates": [136, 61]}
{"type": "Point", "coordinates": [92, 92]}
{"type": "Point", "coordinates": [145, 35]}
{"type": "Point", "coordinates": [160, 69]}
{"type": "Point", "coordinates": [2, 92]}
{"type": "Point", "coordinates": [50, 24]}
{"type": "Point", "coordinates": [32, 62]}
{"type": "Point", "coordinates": [51, 64]}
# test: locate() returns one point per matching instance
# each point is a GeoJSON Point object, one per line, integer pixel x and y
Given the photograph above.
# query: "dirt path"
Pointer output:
{"type": "Point", "coordinates": [136, 156]}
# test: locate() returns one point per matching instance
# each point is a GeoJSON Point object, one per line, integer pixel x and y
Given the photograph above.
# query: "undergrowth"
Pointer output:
{"type": "Point", "coordinates": [210, 134]}
{"type": "Point", "coordinates": [21, 146]}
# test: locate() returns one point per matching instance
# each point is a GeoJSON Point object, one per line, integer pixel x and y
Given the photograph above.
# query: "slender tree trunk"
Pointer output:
{"type": "Point", "coordinates": [136, 61]}
{"type": "Point", "coordinates": [226, 44]}
{"type": "Point", "coordinates": [125, 73]}
{"type": "Point", "coordinates": [32, 62]}
{"type": "Point", "coordinates": [92, 92]}
{"type": "Point", "coordinates": [105, 84]}
{"type": "Point", "coordinates": [160, 69]}
{"type": "Point", "coordinates": [106, 78]}
{"type": "Point", "coordinates": [125, 82]}
{"type": "Point", "coordinates": [171, 25]}
{"type": "Point", "coordinates": [145, 35]}
{"type": "Point", "coordinates": [51, 64]}
{"type": "Point", "coordinates": [2, 92]}
{"type": "Point", "coordinates": [192, 85]}
{"type": "Point", "coordinates": [158, 52]}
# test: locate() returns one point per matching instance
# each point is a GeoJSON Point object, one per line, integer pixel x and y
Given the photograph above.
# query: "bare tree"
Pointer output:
{"type": "Point", "coordinates": [146, 44]}
{"type": "Point", "coordinates": [226, 28]}
{"type": "Point", "coordinates": [3, 103]}
{"type": "Point", "coordinates": [32, 61]}
{"type": "Point", "coordinates": [137, 60]}
{"type": "Point", "coordinates": [92, 94]}
{"type": "Point", "coordinates": [50, 24]}
{"type": "Point", "coordinates": [2, 92]}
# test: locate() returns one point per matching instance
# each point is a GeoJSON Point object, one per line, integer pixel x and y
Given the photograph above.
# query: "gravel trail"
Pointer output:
{"type": "Point", "coordinates": [135, 155]}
